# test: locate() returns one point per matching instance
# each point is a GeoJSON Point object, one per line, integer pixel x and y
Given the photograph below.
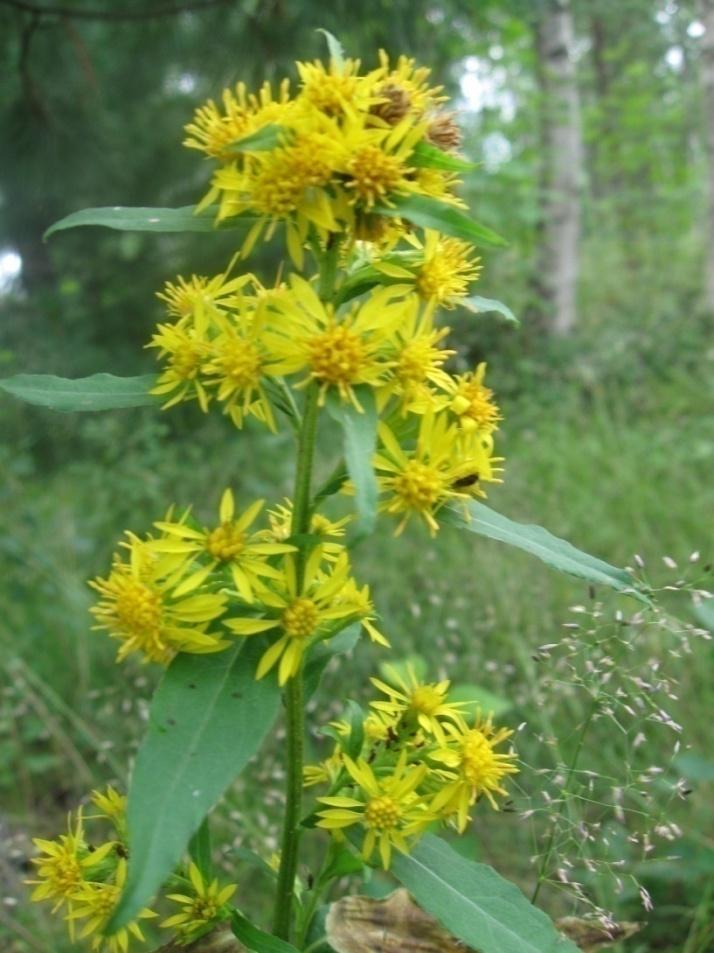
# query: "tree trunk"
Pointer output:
{"type": "Point", "coordinates": [563, 162]}
{"type": "Point", "coordinates": [707, 74]}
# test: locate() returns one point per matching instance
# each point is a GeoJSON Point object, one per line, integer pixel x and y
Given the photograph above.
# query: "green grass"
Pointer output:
{"type": "Point", "coordinates": [615, 473]}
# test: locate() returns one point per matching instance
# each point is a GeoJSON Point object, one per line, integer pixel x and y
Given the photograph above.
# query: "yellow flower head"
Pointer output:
{"type": "Point", "coordinates": [447, 269]}
{"type": "Point", "coordinates": [472, 768]}
{"type": "Point", "coordinates": [303, 616]}
{"type": "Point", "coordinates": [95, 902]}
{"type": "Point", "coordinates": [201, 909]}
{"type": "Point", "coordinates": [386, 808]}
{"type": "Point", "coordinates": [443, 466]}
{"type": "Point", "coordinates": [412, 82]}
{"type": "Point", "coordinates": [415, 704]}
{"type": "Point", "coordinates": [198, 299]}
{"type": "Point", "coordinates": [139, 606]}
{"type": "Point", "coordinates": [214, 131]}
{"type": "Point", "coordinates": [112, 805]}
{"type": "Point", "coordinates": [185, 352]}
{"type": "Point", "coordinates": [472, 402]}
{"type": "Point", "coordinates": [326, 530]}
{"type": "Point", "coordinates": [228, 544]}
{"type": "Point", "coordinates": [339, 353]}
{"type": "Point", "coordinates": [335, 88]}
{"type": "Point", "coordinates": [417, 360]}
{"type": "Point", "coordinates": [61, 866]}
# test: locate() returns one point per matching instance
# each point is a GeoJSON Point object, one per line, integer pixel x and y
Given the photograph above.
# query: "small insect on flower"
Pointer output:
{"type": "Point", "coordinates": [386, 808]}
{"type": "Point", "coordinates": [205, 906]}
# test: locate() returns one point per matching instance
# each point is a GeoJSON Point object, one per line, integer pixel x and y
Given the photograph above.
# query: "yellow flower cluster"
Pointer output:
{"type": "Point", "coordinates": [86, 879]}
{"type": "Point", "coordinates": [233, 341]}
{"type": "Point", "coordinates": [165, 591]}
{"type": "Point", "coordinates": [328, 158]}
{"type": "Point", "coordinates": [415, 760]}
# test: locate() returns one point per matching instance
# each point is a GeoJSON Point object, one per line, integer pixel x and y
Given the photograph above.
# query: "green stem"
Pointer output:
{"type": "Point", "coordinates": [294, 690]}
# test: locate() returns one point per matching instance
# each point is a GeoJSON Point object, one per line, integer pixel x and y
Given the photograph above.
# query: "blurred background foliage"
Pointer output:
{"type": "Point", "coordinates": [591, 122]}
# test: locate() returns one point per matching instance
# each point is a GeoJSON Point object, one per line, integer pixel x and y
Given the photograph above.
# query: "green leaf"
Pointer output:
{"type": "Point", "coordinates": [208, 717]}
{"type": "Point", "coordinates": [359, 435]}
{"type": "Point", "coordinates": [257, 940]}
{"type": "Point", "coordinates": [199, 849]}
{"type": "Point", "coordinates": [556, 552]}
{"type": "Point", "coordinates": [479, 305]}
{"type": "Point", "coordinates": [479, 700]}
{"type": "Point", "coordinates": [431, 213]}
{"type": "Point", "coordinates": [429, 157]}
{"type": "Point", "coordinates": [98, 392]}
{"type": "Point", "coordinates": [127, 219]}
{"type": "Point", "coordinates": [334, 47]}
{"type": "Point", "coordinates": [475, 903]}
{"type": "Point", "coordinates": [261, 140]}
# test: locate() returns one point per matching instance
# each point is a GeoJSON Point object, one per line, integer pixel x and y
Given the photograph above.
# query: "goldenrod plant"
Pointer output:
{"type": "Point", "coordinates": [354, 173]}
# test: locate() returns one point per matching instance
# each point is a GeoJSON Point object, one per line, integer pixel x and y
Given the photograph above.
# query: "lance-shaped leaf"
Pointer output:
{"type": "Point", "coordinates": [208, 717]}
{"type": "Point", "coordinates": [334, 47]}
{"type": "Point", "coordinates": [475, 903]}
{"type": "Point", "coordinates": [556, 552]}
{"type": "Point", "coordinates": [429, 157]}
{"type": "Point", "coordinates": [359, 436]}
{"type": "Point", "coordinates": [431, 213]}
{"type": "Point", "coordinates": [257, 940]}
{"type": "Point", "coordinates": [127, 219]}
{"type": "Point", "coordinates": [98, 392]}
{"type": "Point", "coordinates": [478, 305]}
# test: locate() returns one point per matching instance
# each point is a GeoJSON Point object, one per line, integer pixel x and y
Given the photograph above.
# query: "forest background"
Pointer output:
{"type": "Point", "coordinates": [593, 125]}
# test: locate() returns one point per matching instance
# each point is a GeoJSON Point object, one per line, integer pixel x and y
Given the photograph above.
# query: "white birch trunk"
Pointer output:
{"type": "Point", "coordinates": [563, 145]}
{"type": "Point", "coordinates": [707, 74]}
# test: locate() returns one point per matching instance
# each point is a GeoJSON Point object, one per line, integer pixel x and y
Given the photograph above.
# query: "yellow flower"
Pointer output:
{"type": "Point", "coordinates": [326, 772]}
{"type": "Point", "coordinates": [140, 608]}
{"type": "Point", "coordinates": [111, 804]}
{"type": "Point", "coordinates": [201, 909]}
{"type": "Point", "coordinates": [338, 352]}
{"type": "Point", "coordinates": [303, 616]}
{"type": "Point", "coordinates": [95, 902]}
{"type": "Point", "coordinates": [280, 520]}
{"type": "Point", "coordinates": [228, 544]}
{"type": "Point", "coordinates": [185, 351]}
{"type": "Point", "coordinates": [378, 166]}
{"type": "Point", "coordinates": [472, 402]}
{"type": "Point", "coordinates": [416, 703]}
{"type": "Point", "coordinates": [473, 768]}
{"type": "Point", "coordinates": [387, 808]}
{"type": "Point", "coordinates": [214, 132]}
{"type": "Point", "coordinates": [447, 269]}
{"type": "Point", "coordinates": [238, 364]}
{"type": "Point", "coordinates": [412, 81]}
{"type": "Point", "coordinates": [199, 299]}
{"type": "Point", "coordinates": [444, 465]}
{"type": "Point", "coordinates": [62, 868]}
{"type": "Point", "coordinates": [417, 360]}
{"type": "Point", "coordinates": [337, 87]}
